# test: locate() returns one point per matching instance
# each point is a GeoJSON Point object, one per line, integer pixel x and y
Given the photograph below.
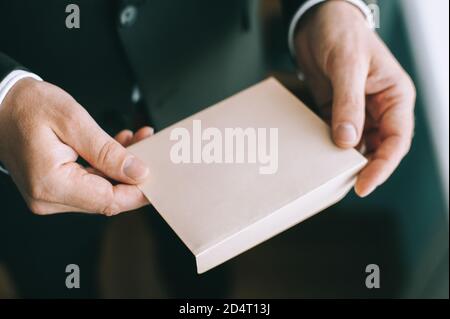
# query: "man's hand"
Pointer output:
{"type": "Point", "coordinates": [43, 130]}
{"type": "Point", "coordinates": [356, 80]}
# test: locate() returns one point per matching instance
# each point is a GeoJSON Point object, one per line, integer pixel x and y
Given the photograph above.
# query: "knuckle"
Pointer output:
{"type": "Point", "coordinates": [37, 208]}
{"type": "Point", "coordinates": [407, 148]}
{"type": "Point", "coordinates": [408, 86]}
{"type": "Point", "coordinates": [412, 89]}
{"type": "Point", "coordinates": [110, 210]}
{"type": "Point", "coordinates": [108, 150]}
{"type": "Point", "coordinates": [404, 146]}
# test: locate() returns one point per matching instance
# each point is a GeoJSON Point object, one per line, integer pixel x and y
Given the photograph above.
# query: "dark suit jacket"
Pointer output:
{"type": "Point", "coordinates": [184, 55]}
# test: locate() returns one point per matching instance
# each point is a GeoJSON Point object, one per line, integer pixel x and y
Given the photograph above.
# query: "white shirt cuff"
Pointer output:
{"type": "Point", "coordinates": [4, 171]}
{"type": "Point", "coordinates": [7, 83]}
{"type": "Point", "coordinates": [361, 5]}
{"type": "Point", "coordinates": [12, 78]}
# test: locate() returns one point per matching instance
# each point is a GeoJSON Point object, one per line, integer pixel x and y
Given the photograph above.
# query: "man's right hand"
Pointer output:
{"type": "Point", "coordinates": [43, 130]}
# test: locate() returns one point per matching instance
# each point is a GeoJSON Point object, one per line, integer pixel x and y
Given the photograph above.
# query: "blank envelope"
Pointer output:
{"type": "Point", "coordinates": [220, 210]}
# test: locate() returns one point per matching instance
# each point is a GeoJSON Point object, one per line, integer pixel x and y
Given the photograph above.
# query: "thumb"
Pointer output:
{"type": "Point", "coordinates": [104, 153]}
{"type": "Point", "coordinates": [348, 81]}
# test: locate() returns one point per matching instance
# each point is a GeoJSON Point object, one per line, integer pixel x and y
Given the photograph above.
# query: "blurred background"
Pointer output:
{"type": "Point", "coordinates": [402, 227]}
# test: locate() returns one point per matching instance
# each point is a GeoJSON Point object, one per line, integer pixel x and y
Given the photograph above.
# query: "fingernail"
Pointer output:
{"type": "Point", "coordinates": [366, 192]}
{"type": "Point", "coordinates": [135, 169]}
{"type": "Point", "coordinates": [346, 133]}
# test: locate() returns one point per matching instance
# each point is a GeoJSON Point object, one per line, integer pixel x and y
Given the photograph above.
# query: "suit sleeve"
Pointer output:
{"type": "Point", "coordinates": [10, 73]}
{"type": "Point", "coordinates": [7, 65]}
{"type": "Point", "coordinates": [293, 11]}
{"type": "Point", "coordinates": [290, 7]}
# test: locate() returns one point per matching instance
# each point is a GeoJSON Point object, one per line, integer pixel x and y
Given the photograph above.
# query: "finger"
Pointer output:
{"type": "Point", "coordinates": [348, 74]}
{"type": "Point", "coordinates": [381, 165]}
{"type": "Point", "coordinates": [124, 137]}
{"type": "Point", "coordinates": [102, 151]}
{"type": "Point", "coordinates": [142, 133]}
{"type": "Point", "coordinates": [47, 208]}
{"type": "Point", "coordinates": [92, 193]}
{"type": "Point", "coordinates": [396, 117]}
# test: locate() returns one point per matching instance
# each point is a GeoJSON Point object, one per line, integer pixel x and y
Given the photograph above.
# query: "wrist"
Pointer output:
{"type": "Point", "coordinates": [12, 106]}
{"type": "Point", "coordinates": [18, 93]}
{"type": "Point", "coordinates": [338, 8]}
{"type": "Point", "coordinates": [311, 9]}
{"type": "Point", "coordinates": [332, 17]}
{"type": "Point", "coordinates": [10, 80]}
